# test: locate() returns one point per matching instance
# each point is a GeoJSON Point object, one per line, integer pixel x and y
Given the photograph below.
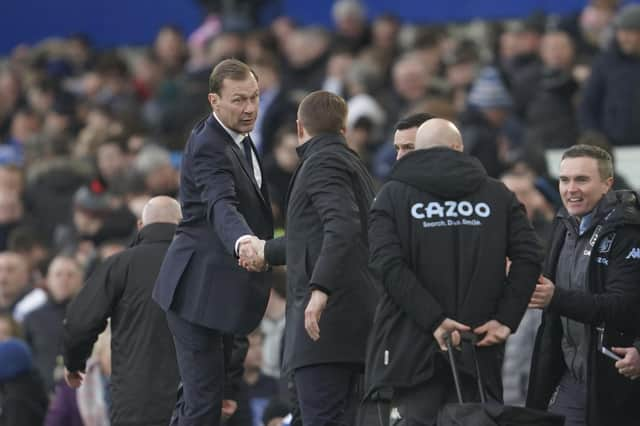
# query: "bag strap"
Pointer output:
{"type": "Point", "coordinates": [472, 339]}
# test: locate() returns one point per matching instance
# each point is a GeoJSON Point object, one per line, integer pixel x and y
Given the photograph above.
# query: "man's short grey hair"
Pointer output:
{"type": "Point", "coordinates": [150, 158]}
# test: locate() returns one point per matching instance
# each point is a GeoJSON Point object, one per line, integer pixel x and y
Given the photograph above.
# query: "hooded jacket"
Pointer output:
{"type": "Point", "coordinates": [610, 299]}
{"type": "Point", "coordinates": [440, 232]}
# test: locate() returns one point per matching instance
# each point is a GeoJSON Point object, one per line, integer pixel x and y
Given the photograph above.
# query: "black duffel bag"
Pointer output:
{"type": "Point", "coordinates": [487, 413]}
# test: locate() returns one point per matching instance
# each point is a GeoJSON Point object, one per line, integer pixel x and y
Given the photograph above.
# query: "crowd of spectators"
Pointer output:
{"type": "Point", "coordinates": [87, 136]}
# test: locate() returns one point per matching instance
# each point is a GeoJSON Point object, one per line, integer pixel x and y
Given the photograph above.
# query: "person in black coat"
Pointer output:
{"type": "Point", "coordinates": [590, 295]}
{"type": "Point", "coordinates": [611, 99]}
{"type": "Point", "coordinates": [224, 198]}
{"type": "Point", "coordinates": [43, 328]}
{"type": "Point", "coordinates": [440, 232]}
{"type": "Point", "coordinates": [331, 293]}
{"type": "Point", "coordinates": [23, 400]}
{"type": "Point", "coordinates": [144, 377]}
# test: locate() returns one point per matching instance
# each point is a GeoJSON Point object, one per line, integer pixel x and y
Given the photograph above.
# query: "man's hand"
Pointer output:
{"type": "Point", "coordinates": [229, 408]}
{"type": "Point", "coordinates": [312, 314]}
{"type": "Point", "coordinates": [496, 333]}
{"type": "Point", "coordinates": [251, 254]}
{"type": "Point", "coordinates": [451, 327]}
{"type": "Point", "coordinates": [73, 378]}
{"type": "Point", "coordinates": [629, 365]}
{"type": "Point", "coordinates": [543, 293]}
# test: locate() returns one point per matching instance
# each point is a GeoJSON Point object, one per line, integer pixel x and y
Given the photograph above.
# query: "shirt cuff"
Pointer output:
{"type": "Point", "coordinates": [239, 240]}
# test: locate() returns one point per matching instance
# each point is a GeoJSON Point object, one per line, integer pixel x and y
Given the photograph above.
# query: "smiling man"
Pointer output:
{"type": "Point", "coordinates": [590, 283]}
{"type": "Point", "coordinates": [206, 295]}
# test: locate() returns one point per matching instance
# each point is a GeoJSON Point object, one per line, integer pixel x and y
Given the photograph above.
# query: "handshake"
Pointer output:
{"type": "Point", "coordinates": [251, 254]}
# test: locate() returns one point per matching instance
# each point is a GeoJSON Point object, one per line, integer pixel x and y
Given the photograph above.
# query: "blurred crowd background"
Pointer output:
{"type": "Point", "coordinates": [88, 135]}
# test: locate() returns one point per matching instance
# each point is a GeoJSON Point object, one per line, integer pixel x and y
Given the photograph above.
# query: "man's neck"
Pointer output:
{"type": "Point", "coordinates": [236, 136]}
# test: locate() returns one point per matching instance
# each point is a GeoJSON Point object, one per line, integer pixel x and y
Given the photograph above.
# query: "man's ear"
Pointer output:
{"type": "Point", "coordinates": [609, 182]}
{"type": "Point", "coordinates": [458, 147]}
{"type": "Point", "coordinates": [300, 129]}
{"type": "Point", "coordinates": [214, 99]}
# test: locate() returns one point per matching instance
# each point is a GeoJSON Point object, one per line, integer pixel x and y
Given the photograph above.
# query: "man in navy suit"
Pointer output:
{"type": "Point", "coordinates": [206, 295]}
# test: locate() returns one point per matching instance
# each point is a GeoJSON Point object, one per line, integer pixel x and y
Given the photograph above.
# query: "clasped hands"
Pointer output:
{"type": "Point", "coordinates": [251, 254]}
{"type": "Point", "coordinates": [494, 333]}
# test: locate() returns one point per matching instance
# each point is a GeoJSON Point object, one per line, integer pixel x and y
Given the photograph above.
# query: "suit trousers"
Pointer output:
{"type": "Point", "coordinates": [329, 394]}
{"type": "Point", "coordinates": [200, 356]}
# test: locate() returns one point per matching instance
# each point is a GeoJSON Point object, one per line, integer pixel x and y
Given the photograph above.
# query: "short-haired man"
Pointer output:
{"type": "Point", "coordinates": [330, 290]}
{"type": "Point", "coordinates": [17, 295]}
{"type": "Point", "coordinates": [590, 295]}
{"type": "Point", "coordinates": [225, 204]}
{"type": "Point", "coordinates": [43, 328]}
{"type": "Point", "coordinates": [439, 232]}
{"type": "Point", "coordinates": [404, 138]}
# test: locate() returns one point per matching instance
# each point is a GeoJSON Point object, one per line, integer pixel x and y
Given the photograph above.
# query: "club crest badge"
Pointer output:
{"type": "Point", "coordinates": [606, 243]}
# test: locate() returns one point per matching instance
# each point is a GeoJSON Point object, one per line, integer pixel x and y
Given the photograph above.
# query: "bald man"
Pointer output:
{"type": "Point", "coordinates": [440, 231]}
{"type": "Point", "coordinates": [144, 369]}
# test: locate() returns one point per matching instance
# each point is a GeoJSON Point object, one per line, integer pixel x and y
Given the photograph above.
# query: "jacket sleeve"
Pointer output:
{"type": "Point", "coordinates": [590, 108]}
{"type": "Point", "coordinates": [389, 263]}
{"type": "Point", "coordinates": [525, 252]}
{"type": "Point", "coordinates": [235, 349]}
{"type": "Point", "coordinates": [330, 189]}
{"type": "Point", "coordinates": [87, 314]}
{"type": "Point", "coordinates": [275, 251]}
{"type": "Point", "coordinates": [617, 306]}
{"type": "Point", "coordinates": [214, 176]}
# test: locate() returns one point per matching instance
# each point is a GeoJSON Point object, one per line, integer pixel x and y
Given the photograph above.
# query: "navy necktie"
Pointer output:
{"type": "Point", "coordinates": [246, 146]}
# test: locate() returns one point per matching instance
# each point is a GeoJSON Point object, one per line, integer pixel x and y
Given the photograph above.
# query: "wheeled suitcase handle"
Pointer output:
{"type": "Point", "coordinates": [472, 339]}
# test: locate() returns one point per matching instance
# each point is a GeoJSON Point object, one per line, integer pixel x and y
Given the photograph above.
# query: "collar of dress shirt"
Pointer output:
{"type": "Point", "coordinates": [237, 137]}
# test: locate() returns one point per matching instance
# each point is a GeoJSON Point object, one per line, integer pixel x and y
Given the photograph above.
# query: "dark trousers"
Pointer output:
{"type": "Point", "coordinates": [328, 394]}
{"type": "Point", "coordinates": [570, 401]}
{"type": "Point", "coordinates": [419, 405]}
{"type": "Point", "coordinates": [200, 356]}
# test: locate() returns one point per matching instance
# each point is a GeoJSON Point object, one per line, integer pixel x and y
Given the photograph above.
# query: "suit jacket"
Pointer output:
{"type": "Point", "coordinates": [200, 279]}
{"type": "Point", "coordinates": [325, 247]}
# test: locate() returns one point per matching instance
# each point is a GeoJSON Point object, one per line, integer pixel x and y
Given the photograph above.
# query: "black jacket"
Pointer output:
{"type": "Point", "coordinates": [481, 140]}
{"type": "Point", "coordinates": [23, 400]}
{"type": "Point", "coordinates": [611, 97]}
{"type": "Point", "coordinates": [144, 377]}
{"type": "Point", "coordinates": [43, 331]}
{"type": "Point", "coordinates": [612, 300]}
{"type": "Point", "coordinates": [439, 232]}
{"type": "Point", "coordinates": [550, 115]}
{"type": "Point", "coordinates": [326, 247]}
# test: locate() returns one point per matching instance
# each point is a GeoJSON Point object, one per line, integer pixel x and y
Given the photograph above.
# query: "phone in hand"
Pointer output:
{"type": "Point", "coordinates": [603, 349]}
{"type": "Point", "coordinates": [607, 352]}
